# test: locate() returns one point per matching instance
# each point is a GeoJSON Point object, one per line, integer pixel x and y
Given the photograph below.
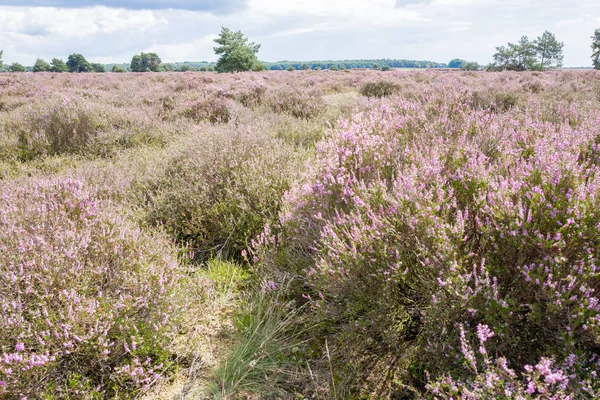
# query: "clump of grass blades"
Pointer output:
{"type": "Point", "coordinates": [266, 327]}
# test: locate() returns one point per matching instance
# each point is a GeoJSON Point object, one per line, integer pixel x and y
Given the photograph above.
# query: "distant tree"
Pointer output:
{"type": "Point", "coordinates": [78, 63]}
{"type": "Point", "coordinates": [41, 66]}
{"type": "Point", "coordinates": [334, 68]}
{"type": "Point", "coordinates": [1, 62]}
{"type": "Point", "coordinates": [16, 67]}
{"type": "Point", "coordinates": [98, 67]}
{"type": "Point", "coordinates": [203, 68]}
{"type": "Point", "coordinates": [543, 53]}
{"type": "Point", "coordinates": [549, 51]}
{"type": "Point", "coordinates": [342, 67]}
{"type": "Point", "coordinates": [290, 68]}
{"type": "Point", "coordinates": [58, 65]}
{"type": "Point", "coordinates": [259, 67]}
{"type": "Point", "coordinates": [305, 67]}
{"type": "Point", "coordinates": [118, 69]}
{"type": "Point", "coordinates": [185, 68]}
{"type": "Point", "coordinates": [145, 62]}
{"type": "Point", "coordinates": [166, 68]}
{"type": "Point", "coordinates": [516, 57]}
{"type": "Point", "coordinates": [375, 66]}
{"type": "Point", "coordinates": [236, 54]}
{"type": "Point", "coordinates": [456, 63]}
{"type": "Point", "coordinates": [385, 68]}
{"type": "Point", "coordinates": [318, 68]}
{"type": "Point", "coordinates": [595, 49]}
{"type": "Point", "coordinates": [469, 66]}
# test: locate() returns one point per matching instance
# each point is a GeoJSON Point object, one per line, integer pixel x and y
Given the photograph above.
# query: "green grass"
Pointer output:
{"type": "Point", "coordinates": [258, 359]}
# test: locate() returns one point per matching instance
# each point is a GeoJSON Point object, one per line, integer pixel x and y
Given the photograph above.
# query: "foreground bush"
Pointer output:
{"type": "Point", "coordinates": [425, 224]}
{"type": "Point", "coordinates": [219, 193]}
{"type": "Point", "coordinates": [86, 298]}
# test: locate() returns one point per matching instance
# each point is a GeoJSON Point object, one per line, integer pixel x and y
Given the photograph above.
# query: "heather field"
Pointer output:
{"type": "Point", "coordinates": [307, 234]}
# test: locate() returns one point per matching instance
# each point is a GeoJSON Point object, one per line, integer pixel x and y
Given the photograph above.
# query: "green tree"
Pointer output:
{"type": "Point", "coordinates": [516, 57]}
{"type": "Point", "coordinates": [305, 67]}
{"type": "Point", "coordinates": [290, 68]}
{"type": "Point", "coordinates": [549, 52]}
{"type": "Point", "coordinates": [456, 63]}
{"type": "Point", "coordinates": [41, 66]}
{"type": "Point", "coordinates": [166, 68]}
{"type": "Point", "coordinates": [78, 63]}
{"type": "Point", "coordinates": [145, 62]}
{"type": "Point", "coordinates": [58, 65]}
{"type": "Point", "coordinates": [118, 69]}
{"type": "Point", "coordinates": [185, 68]}
{"type": "Point", "coordinates": [16, 67]}
{"type": "Point", "coordinates": [1, 62]}
{"type": "Point", "coordinates": [385, 68]}
{"type": "Point", "coordinates": [236, 54]}
{"type": "Point", "coordinates": [595, 49]}
{"type": "Point", "coordinates": [470, 66]}
{"type": "Point", "coordinates": [98, 68]}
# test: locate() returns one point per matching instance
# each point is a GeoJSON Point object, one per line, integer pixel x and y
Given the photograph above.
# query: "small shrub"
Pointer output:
{"type": "Point", "coordinates": [379, 89]}
{"type": "Point", "coordinates": [66, 127]}
{"type": "Point", "coordinates": [213, 109]}
{"type": "Point", "coordinates": [301, 103]}
{"type": "Point", "coordinates": [222, 190]}
{"type": "Point", "coordinates": [251, 95]}
{"type": "Point", "coordinates": [86, 298]}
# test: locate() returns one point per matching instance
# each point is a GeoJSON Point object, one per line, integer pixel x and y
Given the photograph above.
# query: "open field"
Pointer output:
{"type": "Point", "coordinates": [277, 235]}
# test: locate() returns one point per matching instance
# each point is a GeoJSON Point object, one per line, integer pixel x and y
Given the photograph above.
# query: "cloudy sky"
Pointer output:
{"type": "Point", "coordinates": [182, 30]}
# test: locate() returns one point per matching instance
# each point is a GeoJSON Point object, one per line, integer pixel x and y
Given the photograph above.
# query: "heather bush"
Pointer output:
{"type": "Point", "coordinates": [298, 102]}
{"type": "Point", "coordinates": [252, 94]}
{"type": "Point", "coordinates": [379, 89]}
{"type": "Point", "coordinates": [213, 109]}
{"type": "Point", "coordinates": [87, 298]}
{"type": "Point", "coordinates": [223, 188]}
{"type": "Point", "coordinates": [420, 218]}
{"type": "Point", "coordinates": [65, 127]}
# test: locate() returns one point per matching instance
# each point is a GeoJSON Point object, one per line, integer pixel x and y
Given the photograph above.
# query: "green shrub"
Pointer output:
{"type": "Point", "coordinates": [67, 127]}
{"type": "Point", "coordinates": [379, 89]}
{"type": "Point", "coordinates": [223, 189]}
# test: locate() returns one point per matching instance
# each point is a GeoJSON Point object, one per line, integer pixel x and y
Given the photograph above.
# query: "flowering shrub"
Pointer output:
{"type": "Point", "coordinates": [422, 217]}
{"type": "Point", "coordinates": [62, 128]}
{"type": "Point", "coordinates": [213, 109]}
{"type": "Point", "coordinates": [86, 298]}
{"type": "Point", "coordinates": [299, 102]}
{"type": "Point", "coordinates": [252, 94]}
{"type": "Point", "coordinates": [223, 188]}
{"type": "Point", "coordinates": [495, 379]}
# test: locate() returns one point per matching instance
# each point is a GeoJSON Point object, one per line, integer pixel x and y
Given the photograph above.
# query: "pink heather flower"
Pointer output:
{"type": "Point", "coordinates": [484, 333]}
{"type": "Point", "coordinates": [20, 347]}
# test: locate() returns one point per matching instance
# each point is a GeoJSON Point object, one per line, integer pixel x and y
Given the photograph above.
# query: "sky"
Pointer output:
{"type": "Point", "coordinates": [107, 31]}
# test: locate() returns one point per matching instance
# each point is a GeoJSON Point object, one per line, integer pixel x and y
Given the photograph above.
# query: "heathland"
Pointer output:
{"type": "Point", "coordinates": [307, 234]}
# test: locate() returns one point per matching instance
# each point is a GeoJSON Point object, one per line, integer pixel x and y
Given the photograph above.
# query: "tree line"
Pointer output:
{"type": "Point", "coordinates": [237, 54]}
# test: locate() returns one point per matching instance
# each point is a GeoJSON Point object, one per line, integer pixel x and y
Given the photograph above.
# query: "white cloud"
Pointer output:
{"type": "Point", "coordinates": [437, 30]}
